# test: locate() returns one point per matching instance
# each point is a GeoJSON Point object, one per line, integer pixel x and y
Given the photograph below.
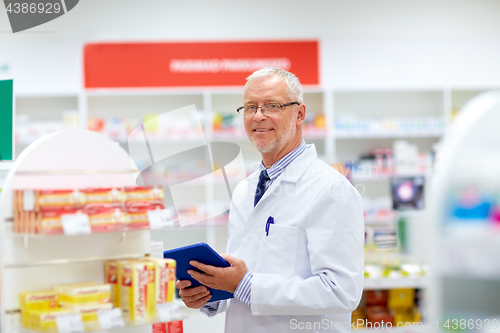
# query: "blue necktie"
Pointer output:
{"type": "Point", "coordinates": [261, 187]}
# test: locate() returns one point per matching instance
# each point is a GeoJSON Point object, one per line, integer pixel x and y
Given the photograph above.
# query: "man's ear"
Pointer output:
{"type": "Point", "coordinates": [301, 113]}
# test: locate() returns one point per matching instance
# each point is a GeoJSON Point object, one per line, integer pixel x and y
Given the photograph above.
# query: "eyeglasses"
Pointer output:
{"type": "Point", "coordinates": [267, 109]}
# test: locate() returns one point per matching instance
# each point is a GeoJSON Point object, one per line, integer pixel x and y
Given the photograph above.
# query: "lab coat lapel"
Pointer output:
{"type": "Point", "coordinates": [291, 174]}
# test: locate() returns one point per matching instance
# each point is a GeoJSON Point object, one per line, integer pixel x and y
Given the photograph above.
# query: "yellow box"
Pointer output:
{"type": "Point", "coordinates": [85, 292]}
{"type": "Point", "coordinates": [401, 299]}
{"type": "Point", "coordinates": [36, 300]}
{"type": "Point", "coordinates": [172, 266]}
{"type": "Point", "coordinates": [115, 288]}
{"type": "Point", "coordinates": [137, 290]}
{"type": "Point", "coordinates": [164, 279]}
{"type": "Point", "coordinates": [43, 320]}
{"type": "Point", "coordinates": [402, 317]}
{"type": "Point", "coordinates": [407, 316]}
{"type": "Point", "coordinates": [112, 277]}
{"type": "Point", "coordinates": [89, 312]}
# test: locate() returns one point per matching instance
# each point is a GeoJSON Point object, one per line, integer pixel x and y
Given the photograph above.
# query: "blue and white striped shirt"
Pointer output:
{"type": "Point", "coordinates": [244, 289]}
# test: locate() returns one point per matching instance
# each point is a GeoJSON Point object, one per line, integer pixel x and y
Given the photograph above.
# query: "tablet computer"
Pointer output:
{"type": "Point", "coordinates": [203, 253]}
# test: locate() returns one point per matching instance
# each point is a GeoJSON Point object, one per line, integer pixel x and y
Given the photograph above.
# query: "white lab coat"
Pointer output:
{"type": "Point", "coordinates": [308, 271]}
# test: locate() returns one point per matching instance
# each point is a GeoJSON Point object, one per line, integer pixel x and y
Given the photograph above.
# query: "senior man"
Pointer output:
{"type": "Point", "coordinates": [296, 229]}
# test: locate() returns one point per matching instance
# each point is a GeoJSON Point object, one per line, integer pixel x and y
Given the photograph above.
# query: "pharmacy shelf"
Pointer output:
{"type": "Point", "coordinates": [95, 326]}
{"type": "Point", "coordinates": [69, 261]}
{"type": "Point", "coordinates": [122, 230]}
{"type": "Point", "coordinates": [373, 102]}
{"type": "Point", "coordinates": [92, 103]}
{"type": "Point", "coordinates": [343, 135]}
{"type": "Point", "coordinates": [379, 222]}
{"type": "Point", "coordinates": [394, 283]}
{"type": "Point", "coordinates": [52, 163]}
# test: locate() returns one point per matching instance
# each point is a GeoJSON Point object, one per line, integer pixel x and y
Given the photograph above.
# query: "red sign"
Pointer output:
{"type": "Point", "coordinates": [124, 65]}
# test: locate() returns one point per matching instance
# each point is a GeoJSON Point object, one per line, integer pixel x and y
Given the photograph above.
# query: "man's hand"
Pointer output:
{"type": "Point", "coordinates": [227, 278]}
{"type": "Point", "coordinates": [194, 298]}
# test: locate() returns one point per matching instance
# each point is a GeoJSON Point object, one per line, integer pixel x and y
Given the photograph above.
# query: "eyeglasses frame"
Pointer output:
{"type": "Point", "coordinates": [260, 107]}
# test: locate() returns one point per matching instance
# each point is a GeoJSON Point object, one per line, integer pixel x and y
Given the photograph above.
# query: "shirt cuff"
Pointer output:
{"type": "Point", "coordinates": [243, 291]}
{"type": "Point", "coordinates": [210, 309]}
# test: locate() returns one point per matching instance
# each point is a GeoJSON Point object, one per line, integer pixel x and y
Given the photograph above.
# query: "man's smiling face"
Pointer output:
{"type": "Point", "coordinates": [270, 133]}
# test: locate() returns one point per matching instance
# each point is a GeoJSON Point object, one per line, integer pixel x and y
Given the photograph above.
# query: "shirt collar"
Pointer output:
{"type": "Point", "coordinates": [277, 168]}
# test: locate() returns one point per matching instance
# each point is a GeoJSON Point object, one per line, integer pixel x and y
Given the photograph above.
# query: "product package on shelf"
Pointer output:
{"type": "Point", "coordinates": [158, 127]}
{"type": "Point", "coordinates": [228, 125]}
{"type": "Point", "coordinates": [314, 126]}
{"type": "Point", "coordinates": [136, 218]}
{"type": "Point", "coordinates": [391, 308]}
{"type": "Point", "coordinates": [134, 285]}
{"type": "Point", "coordinates": [389, 263]}
{"type": "Point", "coordinates": [37, 301]}
{"type": "Point", "coordinates": [41, 211]}
{"type": "Point", "coordinates": [165, 279]}
{"type": "Point", "coordinates": [231, 126]}
{"type": "Point", "coordinates": [112, 276]}
{"type": "Point", "coordinates": [86, 299]}
{"type": "Point", "coordinates": [76, 294]}
{"type": "Point", "coordinates": [378, 209]}
{"type": "Point", "coordinates": [138, 197]}
{"type": "Point", "coordinates": [89, 312]}
{"type": "Point", "coordinates": [107, 219]}
{"type": "Point", "coordinates": [139, 284]}
{"type": "Point", "coordinates": [348, 123]}
{"type": "Point", "coordinates": [137, 290]}
{"type": "Point", "coordinates": [381, 163]}
{"type": "Point", "coordinates": [44, 320]}
{"type": "Point", "coordinates": [40, 309]}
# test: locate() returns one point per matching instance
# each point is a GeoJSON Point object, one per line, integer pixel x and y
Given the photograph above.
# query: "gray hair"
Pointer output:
{"type": "Point", "coordinates": [292, 82]}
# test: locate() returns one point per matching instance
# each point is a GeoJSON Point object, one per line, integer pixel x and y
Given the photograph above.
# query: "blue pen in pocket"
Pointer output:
{"type": "Point", "coordinates": [270, 221]}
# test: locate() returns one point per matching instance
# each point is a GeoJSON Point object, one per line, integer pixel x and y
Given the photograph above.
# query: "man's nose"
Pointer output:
{"type": "Point", "coordinates": [259, 115]}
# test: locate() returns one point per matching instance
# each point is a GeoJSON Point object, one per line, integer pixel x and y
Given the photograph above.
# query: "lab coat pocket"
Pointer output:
{"type": "Point", "coordinates": [278, 251]}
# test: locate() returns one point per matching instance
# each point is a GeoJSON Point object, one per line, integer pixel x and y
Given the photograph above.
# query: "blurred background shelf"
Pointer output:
{"type": "Point", "coordinates": [344, 135]}
{"type": "Point", "coordinates": [395, 283]}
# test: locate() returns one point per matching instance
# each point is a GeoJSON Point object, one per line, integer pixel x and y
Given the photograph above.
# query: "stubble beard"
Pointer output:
{"type": "Point", "coordinates": [278, 142]}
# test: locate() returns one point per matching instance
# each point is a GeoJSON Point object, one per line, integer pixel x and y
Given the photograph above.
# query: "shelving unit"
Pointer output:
{"type": "Point", "coordinates": [71, 159]}
{"type": "Point", "coordinates": [333, 145]}
{"type": "Point", "coordinates": [394, 283]}
{"type": "Point", "coordinates": [467, 173]}
{"type": "Point", "coordinates": [385, 106]}
{"type": "Point", "coordinates": [40, 109]}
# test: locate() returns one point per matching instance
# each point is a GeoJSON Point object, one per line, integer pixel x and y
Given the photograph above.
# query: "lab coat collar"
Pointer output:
{"type": "Point", "coordinates": [292, 172]}
{"type": "Point", "coordinates": [295, 169]}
